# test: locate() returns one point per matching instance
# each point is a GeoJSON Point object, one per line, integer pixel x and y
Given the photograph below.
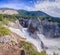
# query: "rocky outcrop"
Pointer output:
{"type": "Point", "coordinates": [48, 28]}
{"type": "Point", "coordinates": [11, 44]}
{"type": "Point", "coordinates": [16, 25]}
{"type": "Point", "coordinates": [31, 28]}
{"type": "Point", "coordinates": [8, 12]}
{"type": "Point", "coordinates": [24, 22]}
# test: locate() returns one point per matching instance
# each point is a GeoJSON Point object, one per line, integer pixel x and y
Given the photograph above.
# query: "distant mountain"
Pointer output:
{"type": "Point", "coordinates": [32, 13]}
{"type": "Point", "coordinates": [24, 12]}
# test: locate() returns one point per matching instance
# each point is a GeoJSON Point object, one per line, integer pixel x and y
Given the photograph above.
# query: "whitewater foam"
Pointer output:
{"type": "Point", "coordinates": [52, 44]}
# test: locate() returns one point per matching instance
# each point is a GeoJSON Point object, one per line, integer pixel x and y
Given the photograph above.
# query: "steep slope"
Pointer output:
{"type": "Point", "coordinates": [43, 34]}
{"type": "Point", "coordinates": [32, 33]}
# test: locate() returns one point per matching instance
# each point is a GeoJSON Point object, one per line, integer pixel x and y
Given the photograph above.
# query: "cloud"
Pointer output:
{"type": "Point", "coordinates": [16, 4]}
{"type": "Point", "coordinates": [50, 7]}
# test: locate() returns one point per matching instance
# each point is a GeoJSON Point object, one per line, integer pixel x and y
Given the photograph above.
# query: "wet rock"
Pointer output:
{"type": "Point", "coordinates": [48, 28]}
{"type": "Point", "coordinates": [24, 22]}
{"type": "Point", "coordinates": [42, 45]}
{"type": "Point", "coordinates": [31, 28]}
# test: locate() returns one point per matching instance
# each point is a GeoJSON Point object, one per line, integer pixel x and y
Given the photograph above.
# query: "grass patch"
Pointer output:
{"type": "Point", "coordinates": [30, 50]}
{"type": "Point", "coordinates": [4, 31]}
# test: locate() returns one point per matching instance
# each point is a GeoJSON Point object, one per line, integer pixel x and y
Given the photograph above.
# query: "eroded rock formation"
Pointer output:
{"type": "Point", "coordinates": [48, 28]}
{"type": "Point", "coordinates": [11, 45]}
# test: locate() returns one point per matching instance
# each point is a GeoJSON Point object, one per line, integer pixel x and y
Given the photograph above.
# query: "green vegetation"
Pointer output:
{"type": "Point", "coordinates": [3, 20]}
{"type": "Point", "coordinates": [6, 18]}
{"type": "Point", "coordinates": [1, 17]}
{"type": "Point", "coordinates": [49, 18]}
{"type": "Point", "coordinates": [28, 15]}
{"type": "Point", "coordinates": [30, 50]}
{"type": "Point", "coordinates": [53, 19]}
{"type": "Point", "coordinates": [1, 24]}
{"type": "Point", "coordinates": [4, 31]}
{"type": "Point", "coordinates": [10, 17]}
{"type": "Point", "coordinates": [32, 13]}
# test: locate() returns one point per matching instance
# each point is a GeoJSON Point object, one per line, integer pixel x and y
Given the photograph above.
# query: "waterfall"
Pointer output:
{"type": "Point", "coordinates": [37, 32]}
{"type": "Point", "coordinates": [49, 45]}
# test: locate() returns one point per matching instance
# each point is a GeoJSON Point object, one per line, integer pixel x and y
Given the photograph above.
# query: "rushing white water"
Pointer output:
{"type": "Point", "coordinates": [52, 44]}
{"type": "Point", "coordinates": [23, 33]}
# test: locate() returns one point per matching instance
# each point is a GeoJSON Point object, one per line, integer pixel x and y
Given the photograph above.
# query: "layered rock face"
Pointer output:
{"type": "Point", "coordinates": [24, 22]}
{"type": "Point", "coordinates": [31, 25]}
{"type": "Point", "coordinates": [9, 12]}
{"type": "Point", "coordinates": [48, 28]}
{"type": "Point", "coordinates": [11, 45]}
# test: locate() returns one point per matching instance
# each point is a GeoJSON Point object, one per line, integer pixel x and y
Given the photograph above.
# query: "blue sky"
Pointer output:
{"type": "Point", "coordinates": [17, 4]}
{"type": "Point", "coordinates": [52, 7]}
{"type": "Point", "coordinates": [20, 3]}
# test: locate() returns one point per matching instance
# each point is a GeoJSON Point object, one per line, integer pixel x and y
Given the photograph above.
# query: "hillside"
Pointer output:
{"type": "Point", "coordinates": [23, 33]}
{"type": "Point", "coordinates": [33, 13]}
{"type": "Point", "coordinates": [8, 11]}
{"type": "Point", "coordinates": [12, 43]}
{"type": "Point", "coordinates": [22, 12]}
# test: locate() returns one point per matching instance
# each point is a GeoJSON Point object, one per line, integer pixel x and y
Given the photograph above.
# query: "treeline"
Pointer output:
{"type": "Point", "coordinates": [53, 19]}
{"type": "Point", "coordinates": [4, 19]}
{"type": "Point", "coordinates": [18, 16]}
{"type": "Point", "coordinates": [8, 17]}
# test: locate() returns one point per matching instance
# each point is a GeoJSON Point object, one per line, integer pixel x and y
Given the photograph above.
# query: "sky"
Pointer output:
{"type": "Point", "coordinates": [51, 7]}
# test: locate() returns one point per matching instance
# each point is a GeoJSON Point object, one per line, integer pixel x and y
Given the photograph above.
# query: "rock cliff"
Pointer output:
{"type": "Point", "coordinates": [48, 28]}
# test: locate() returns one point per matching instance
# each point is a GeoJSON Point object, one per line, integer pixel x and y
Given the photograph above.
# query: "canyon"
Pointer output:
{"type": "Point", "coordinates": [42, 32]}
{"type": "Point", "coordinates": [46, 33]}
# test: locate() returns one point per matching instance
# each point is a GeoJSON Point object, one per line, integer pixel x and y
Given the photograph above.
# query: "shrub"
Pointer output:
{"type": "Point", "coordinates": [30, 50]}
